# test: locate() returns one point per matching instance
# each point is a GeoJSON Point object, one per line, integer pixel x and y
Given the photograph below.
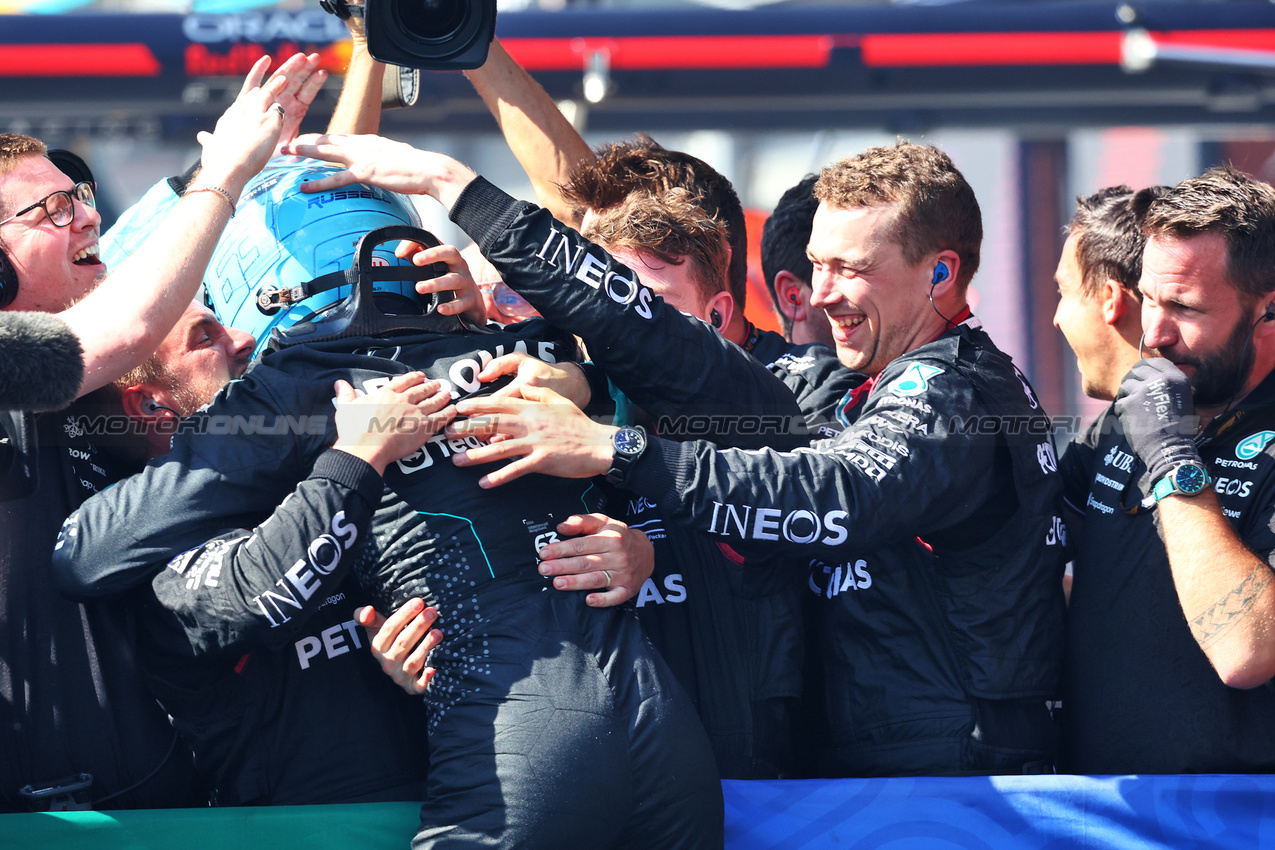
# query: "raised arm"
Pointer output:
{"type": "Point", "coordinates": [898, 472]}
{"type": "Point", "coordinates": [545, 144]}
{"type": "Point", "coordinates": [123, 321]}
{"type": "Point", "coordinates": [358, 109]}
{"type": "Point", "coordinates": [1225, 588]}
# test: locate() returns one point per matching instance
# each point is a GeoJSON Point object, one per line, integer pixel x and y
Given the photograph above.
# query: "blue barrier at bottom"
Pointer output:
{"type": "Point", "coordinates": [1018, 812]}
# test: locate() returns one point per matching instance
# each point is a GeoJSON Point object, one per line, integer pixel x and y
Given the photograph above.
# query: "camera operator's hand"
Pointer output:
{"type": "Point", "coordinates": [384, 163]}
{"type": "Point", "coordinates": [466, 299]}
{"type": "Point", "coordinates": [393, 422]}
{"type": "Point", "coordinates": [401, 642]}
{"type": "Point", "coordinates": [246, 133]}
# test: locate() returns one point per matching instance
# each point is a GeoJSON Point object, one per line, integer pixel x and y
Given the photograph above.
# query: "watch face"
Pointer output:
{"type": "Point", "coordinates": [629, 441]}
{"type": "Point", "coordinates": [1191, 479]}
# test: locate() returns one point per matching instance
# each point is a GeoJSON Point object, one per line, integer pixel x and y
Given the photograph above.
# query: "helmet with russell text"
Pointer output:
{"type": "Point", "coordinates": [276, 264]}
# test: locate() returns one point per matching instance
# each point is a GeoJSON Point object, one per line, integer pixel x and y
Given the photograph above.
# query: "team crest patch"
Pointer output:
{"type": "Point", "coordinates": [1251, 447]}
{"type": "Point", "coordinates": [914, 380]}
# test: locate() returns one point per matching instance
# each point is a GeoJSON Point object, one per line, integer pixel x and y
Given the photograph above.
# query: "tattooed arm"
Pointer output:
{"type": "Point", "coordinates": [1226, 591]}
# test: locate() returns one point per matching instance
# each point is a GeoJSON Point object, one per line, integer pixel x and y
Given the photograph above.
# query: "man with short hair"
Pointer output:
{"type": "Point", "coordinates": [786, 267]}
{"type": "Point", "coordinates": [645, 167]}
{"type": "Point", "coordinates": [680, 251]}
{"type": "Point", "coordinates": [1100, 310]}
{"type": "Point", "coordinates": [1099, 305]}
{"type": "Point", "coordinates": [651, 208]}
{"type": "Point", "coordinates": [1169, 654]}
{"type": "Point", "coordinates": [572, 182]}
{"type": "Point", "coordinates": [935, 512]}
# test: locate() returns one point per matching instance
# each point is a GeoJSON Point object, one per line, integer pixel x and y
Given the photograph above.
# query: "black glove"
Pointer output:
{"type": "Point", "coordinates": [1158, 415]}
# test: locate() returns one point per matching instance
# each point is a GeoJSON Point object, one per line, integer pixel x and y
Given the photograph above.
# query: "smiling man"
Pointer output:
{"type": "Point", "coordinates": [49, 228]}
{"type": "Point", "coordinates": [931, 521]}
{"type": "Point", "coordinates": [1099, 307]}
{"type": "Point", "coordinates": [1169, 653]}
{"type": "Point", "coordinates": [199, 356]}
{"type": "Point", "coordinates": [62, 257]}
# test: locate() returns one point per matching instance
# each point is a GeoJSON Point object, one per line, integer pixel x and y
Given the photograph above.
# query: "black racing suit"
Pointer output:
{"type": "Point", "coordinates": [256, 704]}
{"type": "Point", "coordinates": [732, 637]}
{"type": "Point", "coordinates": [730, 627]}
{"type": "Point", "coordinates": [937, 511]}
{"type": "Point", "coordinates": [550, 724]}
{"type": "Point", "coordinates": [1139, 695]}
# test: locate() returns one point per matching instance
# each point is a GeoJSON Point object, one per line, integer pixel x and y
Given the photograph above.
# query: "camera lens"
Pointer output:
{"type": "Point", "coordinates": [431, 20]}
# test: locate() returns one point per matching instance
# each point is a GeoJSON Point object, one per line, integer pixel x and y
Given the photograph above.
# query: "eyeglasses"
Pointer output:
{"type": "Point", "coordinates": [60, 206]}
{"type": "Point", "coordinates": [507, 301]}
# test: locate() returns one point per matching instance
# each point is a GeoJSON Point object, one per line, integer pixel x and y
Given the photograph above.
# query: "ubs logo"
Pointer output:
{"type": "Point", "coordinates": [1122, 461]}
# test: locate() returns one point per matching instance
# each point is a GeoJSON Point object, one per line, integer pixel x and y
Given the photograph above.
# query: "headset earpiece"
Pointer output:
{"type": "Point", "coordinates": [940, 274]}
{"type": "Point", "coordinates": [8, 281]}
{"type": "Point", "coordinates": [1269, 315]}
{"type": "Point", "coordinates": [715, 319]}
{"type": "Point", "coordinates": [792, 297]}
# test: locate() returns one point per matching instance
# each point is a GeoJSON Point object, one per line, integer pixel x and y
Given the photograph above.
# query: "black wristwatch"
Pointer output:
{"type": "Point", "coordinates": [627, 446]}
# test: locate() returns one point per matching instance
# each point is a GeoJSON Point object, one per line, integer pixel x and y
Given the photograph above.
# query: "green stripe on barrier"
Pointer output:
{"type": "Point", "coordinates": [367, 826]}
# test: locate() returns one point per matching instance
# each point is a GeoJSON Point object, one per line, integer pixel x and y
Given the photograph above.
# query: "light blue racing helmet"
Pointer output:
{"type": "Point", "coordinates": [280, 239]}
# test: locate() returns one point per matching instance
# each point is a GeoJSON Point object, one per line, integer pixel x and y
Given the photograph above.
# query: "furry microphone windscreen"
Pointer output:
{"type": "Point", "coordinates": [41, 362]}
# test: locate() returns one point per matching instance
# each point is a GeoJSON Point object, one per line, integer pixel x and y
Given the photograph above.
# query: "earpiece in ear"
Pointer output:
{"type": "Point", "coordinates": [792, 297]}
{"type": "Point", "coordinates": [153, 406]}
{"type": "Point", "coordinates": [940, 274]}
{"type": "Point", "coordinates": [715, 319]}
{"type": "Point", "coordinates": [1269, 315]}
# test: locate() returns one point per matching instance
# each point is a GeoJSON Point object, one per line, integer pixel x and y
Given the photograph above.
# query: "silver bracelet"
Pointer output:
{"type": "Point", "coordinates": [208, 187]}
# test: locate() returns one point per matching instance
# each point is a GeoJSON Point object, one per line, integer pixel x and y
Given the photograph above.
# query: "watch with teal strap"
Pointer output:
{"type": "Point", "coordinates": [1186, 479]}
